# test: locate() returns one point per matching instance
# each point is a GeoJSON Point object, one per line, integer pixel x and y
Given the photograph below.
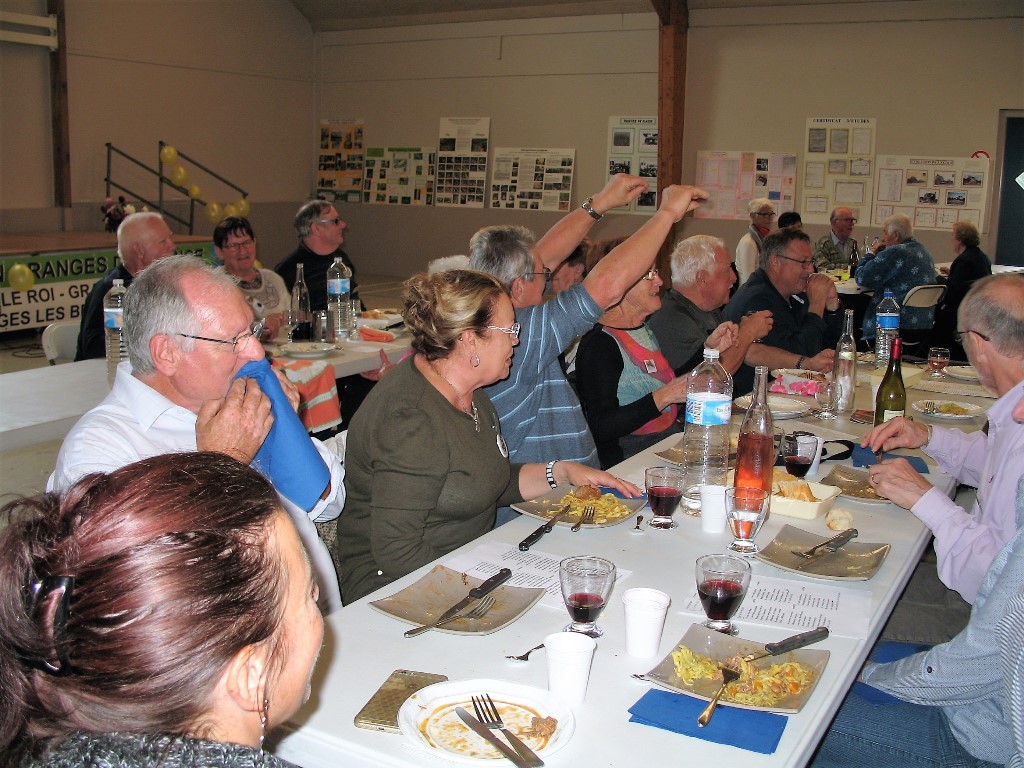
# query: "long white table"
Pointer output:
{"type": "Point", "coordinates": [353, 357]}
{"type": "Point", "coordinates": [363, 646]}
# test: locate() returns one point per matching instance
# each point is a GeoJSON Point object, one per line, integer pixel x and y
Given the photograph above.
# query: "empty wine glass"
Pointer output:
{"type": "Point", "coordinates": [745, 509]}
{"type": "Point", "coordinates": [938, 359]}
{"type": "Point", "coordinates": [827, 395]}
{"type": "Point", "coordinates": [291, 319]}
{"type": "Point", "coordinates": [586, 584]}
{"type": "Point", "coordinates": [722, 581]}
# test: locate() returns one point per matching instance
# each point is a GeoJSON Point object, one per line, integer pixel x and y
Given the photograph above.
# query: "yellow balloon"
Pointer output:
{"type": "Point", "coordinates": [194, 191]}
{"type": "Point", "coordinates": [20, 277]}
{"type": "Point", "coordinates": [179, 175]}
{"type": "Point", "coordinates": [168, 154]}
{"type": "Point", "coordinates": [230, 210]}
{"type": "Point", "coordinates": [243, 206]}
{"type": "Point", "coordinates": [214, 213]}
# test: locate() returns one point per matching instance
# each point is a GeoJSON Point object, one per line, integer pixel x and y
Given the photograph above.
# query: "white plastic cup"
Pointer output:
{"type": "Point", "coordinates": [569, 655]}
{"type": "Point", "coordinates": [645, 620]}
{"type": "Point", "coordinates": [712, 508]}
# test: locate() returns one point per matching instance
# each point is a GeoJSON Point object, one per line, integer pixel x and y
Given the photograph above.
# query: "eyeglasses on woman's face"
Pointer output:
{"type": "Point", "coordinates": [238, 245]}
{"type": "Point", "coordinates": [237, 343]}
{"type": "Point", "coordinates": [513, 330]}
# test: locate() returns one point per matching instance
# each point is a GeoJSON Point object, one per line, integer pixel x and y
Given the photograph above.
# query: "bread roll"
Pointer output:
{"type": "Point", "coordinates": [839, 519]}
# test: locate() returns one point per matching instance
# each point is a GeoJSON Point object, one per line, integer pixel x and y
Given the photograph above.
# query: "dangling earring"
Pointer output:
{"type": "Point", "coordinates": [475, 360]}
{"type": "Point", "coordinates": [263, 721]}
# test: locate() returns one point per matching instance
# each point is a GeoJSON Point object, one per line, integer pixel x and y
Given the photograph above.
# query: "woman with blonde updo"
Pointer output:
{"type": "Point", "coordinates": [426, 465]}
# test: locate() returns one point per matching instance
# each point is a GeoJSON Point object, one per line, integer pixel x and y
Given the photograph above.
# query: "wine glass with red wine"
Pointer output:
{"type": "Point", "coordinates": [664, 491]}
{"type": "Point", "coordinates": [586, 584]}
{"type": "Point", "coordinates": [798, 453]}
{"type": "Point", "coordinates": [722, 581]}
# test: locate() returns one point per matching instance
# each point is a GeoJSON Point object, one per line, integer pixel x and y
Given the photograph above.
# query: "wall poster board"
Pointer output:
{"type": "Point", "coordinates": [462, 162]}
{"type": "Point", "coordinates": [399, 176]}
{"type": "Point", "coordinates": [839, 166]}
{"type": "Point", "coordinates": [532, 179]}
{"type": "Point", "coordinates": [339, 175]}
{"type": "Point", "coordinates": [633, 148]}
{"type": "Point", "coordinates": [733, 179]}
{"type": "Point", "coordinates": [933, 192]}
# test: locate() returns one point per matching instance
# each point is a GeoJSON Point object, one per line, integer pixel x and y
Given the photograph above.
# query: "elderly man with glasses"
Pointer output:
{"type": "Point", "coordinates": [762, 215]}
{"type": "Point", "coordinates": [321, 234]}
{"type": "Point", "coordinates": [540, 413]}
{"type": "Point", "coordinates": [805, 308]}
{"type": "Point", "coordinates": [189, 332]}
{"type": "Point", "coordinates": [837, 249]}
{"type": "Point", "coordinates": [991, 322]}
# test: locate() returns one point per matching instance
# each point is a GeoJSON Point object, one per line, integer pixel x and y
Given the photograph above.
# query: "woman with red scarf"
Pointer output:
{"type": "Point", "coordinates": [630, 395]}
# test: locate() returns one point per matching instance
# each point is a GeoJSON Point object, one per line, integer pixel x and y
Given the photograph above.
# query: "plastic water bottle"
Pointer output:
{"type": "Point", "coordinates": [845, 373]}
{"type": "Point", "coordinates": [339, 295]}
{"type": "Point", "coordinates": [887, 328]}
{"type": "Point", "coordinates": [113, 312]}
{"type": "Point", "coordinates": [706, 432]}
{"type": "Point", "coordinates": [300, 306]}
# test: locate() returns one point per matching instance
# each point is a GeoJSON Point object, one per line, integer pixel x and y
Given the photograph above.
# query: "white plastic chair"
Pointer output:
{"type": "Point", "coordinates": [60, 340]}
{"type": "Point", "coordinates": [920, 296]}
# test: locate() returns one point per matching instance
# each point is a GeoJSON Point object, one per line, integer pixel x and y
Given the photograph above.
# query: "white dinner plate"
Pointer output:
{"type": "Point", "coordinates": [972, 410]}
{"type": "Point", "coordinates": [962, 372]}
{"type": "Point", "coordinates": [781, 406]}
{"type": "Point", "coordinates": [428, 720]}
{"type": "Point", "coordinates": [307, 350]}
{"type": "Point", "coordinates": [719, 647]}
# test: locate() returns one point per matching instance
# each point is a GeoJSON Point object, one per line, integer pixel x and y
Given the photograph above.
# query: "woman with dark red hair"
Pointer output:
{"type": "Point", "coordinates": [164, 614]}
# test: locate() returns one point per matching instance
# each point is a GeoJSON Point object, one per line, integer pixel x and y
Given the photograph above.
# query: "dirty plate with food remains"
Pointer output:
{"type": "Point", "coordinates": [609, 509]}
{"type": "Point", "coordinates": [428, 719]}
{"type": "Point", "coordinates": [425, 600]}
{"type": "Point", "coordinates": [948, 409]}
{"type": "Point", "coordinates": [708, 648]}
{"type": "Point", "coordinates": [853, 484]}
{"type": "Point", "coordinates": [854, 561]}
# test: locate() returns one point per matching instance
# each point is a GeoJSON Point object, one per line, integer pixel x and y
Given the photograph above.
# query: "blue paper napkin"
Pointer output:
{"type": "Point", "coordinates": [743, 728]}
{"type": "Point", "coordinates": [287, 457]}
{"type": "Point", "coordinates": [863, 457]}
{"type": "Point", "coordinates": [886, 650]}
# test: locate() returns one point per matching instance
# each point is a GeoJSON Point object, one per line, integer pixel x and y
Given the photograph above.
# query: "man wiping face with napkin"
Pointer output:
{"type": "Point", "coordinates": [197, 379]}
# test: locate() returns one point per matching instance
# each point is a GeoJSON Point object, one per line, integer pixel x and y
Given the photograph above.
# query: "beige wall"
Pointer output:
{"type": "Point", "coordinates": [240, 85]}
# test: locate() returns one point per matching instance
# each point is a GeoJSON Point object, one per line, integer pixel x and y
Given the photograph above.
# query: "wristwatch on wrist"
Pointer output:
{"type": "Point", "coordinates": [588, 206]}
{"type": "Point", "coordinates": [550, 475]}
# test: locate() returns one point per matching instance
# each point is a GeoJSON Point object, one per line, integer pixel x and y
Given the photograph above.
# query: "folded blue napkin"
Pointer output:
{"type": "Point", "coordinates": [287, 457]}
{"type": "Point", "coordinates": [886, 650]}
{"type": "Point", "coordinates": [743, 728]}
{"type": "Point", "coordinates": [863, 457]}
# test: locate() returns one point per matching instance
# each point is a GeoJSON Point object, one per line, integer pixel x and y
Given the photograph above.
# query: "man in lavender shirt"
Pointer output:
{"type": "Point", "coordinates": [991, 326]}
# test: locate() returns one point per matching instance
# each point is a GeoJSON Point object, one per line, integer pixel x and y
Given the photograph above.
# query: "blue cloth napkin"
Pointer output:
{"type": "Point", "coordinates": [287, 457]}
{"type": "Point", "coordinates": [886, 650]}
{"type": "Point", "coordinates": [743, 728]}
{"type": "Point", "coordinates": [863, 457]}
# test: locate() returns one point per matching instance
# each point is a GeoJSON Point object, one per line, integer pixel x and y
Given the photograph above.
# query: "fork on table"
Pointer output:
{"type": "Point", "coordinates": [585, 519]}
{"type": "Point", "coordinates": [729, 673]}
{"type": "Point", "coordinates": [487, 713]}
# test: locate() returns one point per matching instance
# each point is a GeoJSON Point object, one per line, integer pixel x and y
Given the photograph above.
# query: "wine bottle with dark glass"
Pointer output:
{"type": "Point", "coordinates": [891, 399]}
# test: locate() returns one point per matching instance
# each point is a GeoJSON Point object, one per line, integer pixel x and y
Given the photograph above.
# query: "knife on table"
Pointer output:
{"type": "Point", "coordinates": [474, 594]}
{"type": "Point", "coordinates": [534, 537]}
{"type": "Point", "coordinates": [789, 644]}
{"type": "Point", "coordinates": [490, 736]}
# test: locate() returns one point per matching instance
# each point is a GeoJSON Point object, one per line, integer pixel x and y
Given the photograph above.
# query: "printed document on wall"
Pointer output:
{"type": "Point", "coordinates": [733, 179]}
{"type": "Point", "coordinates": [531, 179]}
{"type": "Point", "coordinates": [933, 192]}
{"type": "Point", "coordinates": [839, 167]}
{"type": "Point", "coordinates": [462, 162]}
{"type": "Point", "coordinates": [633, 148]}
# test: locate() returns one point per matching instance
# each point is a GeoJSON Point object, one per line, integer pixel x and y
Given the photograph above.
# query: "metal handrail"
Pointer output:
{"type": "Point", "coordinates": [162, 181]}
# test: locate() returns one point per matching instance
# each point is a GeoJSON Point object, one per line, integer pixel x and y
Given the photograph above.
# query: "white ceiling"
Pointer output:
{"type": "Point", "coordinates": [331, 15]}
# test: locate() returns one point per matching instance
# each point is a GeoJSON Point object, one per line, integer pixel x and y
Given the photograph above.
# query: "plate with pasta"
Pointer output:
{"type": "Point", "coordinates": [609, 508]}
{"type": "Point", "coordinates": [780, 683]}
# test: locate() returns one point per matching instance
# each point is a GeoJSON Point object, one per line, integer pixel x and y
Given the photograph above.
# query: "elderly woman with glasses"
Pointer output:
{"type": "Point", "coordinates": [762, 214]}
{"type": "Point", "coordinates": [630, 394]}
{"type": "Point", "coordinates": [426, 464]}
{"type": "Point", "coordinates": [235, 246]}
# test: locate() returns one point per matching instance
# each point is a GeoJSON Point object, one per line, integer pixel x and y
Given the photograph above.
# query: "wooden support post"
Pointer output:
{"type": "Point", "coordinates": [59, 111]}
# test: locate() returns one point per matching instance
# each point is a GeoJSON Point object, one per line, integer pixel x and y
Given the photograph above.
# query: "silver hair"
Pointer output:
{"type": "Point", "coordinates": [156, 304]}
{"type": "Point", "coordinates": [758, 203]}
{"type": "Point", "coordinates": [503, 251]}
{"type": "Point", "coordinates": [308, 213]}
{"type": "Point", "coordinates": [900, 225]}
{"type": "Point", "coordinates": [692, 255]}
{"type": "Point", "coordinates": [446, 263]}
{"type": "Point", "coordinates": [995, 307]}
{"type": "Point", "coordinates": [132, 228]}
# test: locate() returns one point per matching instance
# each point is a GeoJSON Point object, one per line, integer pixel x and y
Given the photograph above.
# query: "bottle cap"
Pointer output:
{"type": "Point", "coordinates": [712, 353]}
